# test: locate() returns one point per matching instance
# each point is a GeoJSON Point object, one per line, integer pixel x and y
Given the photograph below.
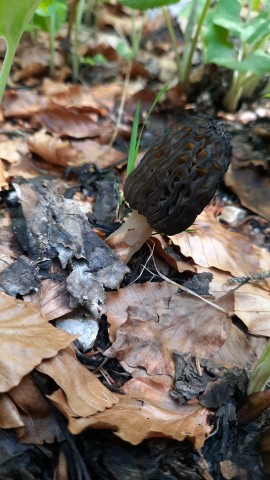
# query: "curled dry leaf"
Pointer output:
{"type": "Point", "coordinates": [66, 122]}
{"type": "Point", "coordinates": [251, 188]}
{"type": "Point", "coordinates": [10, 417]}
{"type": "Point", "coordinates": [13, 150]}
{"type": "Point", "coordinates": [84, 393]}
{"type": "Point", "coordinates": [52, 149]}
{"type": "Point", "coordinates": [52, 298]}
{"type": "Point", "coordinates": [175, 322]}
{"type": "Point", "coordinates": [135, 420]}
{"type": "Point", "coordinates": [22, 103]}
{"type": "Point", "coordinates": [165, 250]}
{"type": "Point", "coordinates": [3, 176]}
{"type": "Point", "coordinates": [118, 302]}
{"type": "Point", "coordinates": [25, 340]}
{"type": "Point", "coordinates": [212, 245]}
{"type": "Point", "coordinates": [39, 423]}
{"type": "Point", "coordinates": [252, 303]}
{"type": "Point", "coordinates": [65, 153]}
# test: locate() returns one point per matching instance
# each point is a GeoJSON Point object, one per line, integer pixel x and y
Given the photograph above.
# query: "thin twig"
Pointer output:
{"type": "Point", "coordinates": [122, 104]}
{"type": "Point", "coordinates": [189, 291]}
{"type": "Point", "coordinates": [256, 277]}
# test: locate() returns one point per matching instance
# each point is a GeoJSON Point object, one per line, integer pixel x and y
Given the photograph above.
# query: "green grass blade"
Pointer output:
{"type": "Point", "coordinates": [133, 141]}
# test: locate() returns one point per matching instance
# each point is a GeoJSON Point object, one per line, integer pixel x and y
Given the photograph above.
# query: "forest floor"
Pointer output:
{"type": "Point", "coordinates": [112, 371]}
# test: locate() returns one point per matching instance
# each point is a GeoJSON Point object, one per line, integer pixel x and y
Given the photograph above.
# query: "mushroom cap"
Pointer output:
{"type": "Point", "coordinates": [179, 174]}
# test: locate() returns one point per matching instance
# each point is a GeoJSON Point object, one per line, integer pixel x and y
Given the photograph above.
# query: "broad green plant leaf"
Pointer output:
{"type": "Point", "coordinates": [146, 4]}
{"type": "Point", "coordinates": [42, 18]}
{"type": "Point", "coordinates": [217, 48]}
{"type": "Point", "coordinates": [14, 17]}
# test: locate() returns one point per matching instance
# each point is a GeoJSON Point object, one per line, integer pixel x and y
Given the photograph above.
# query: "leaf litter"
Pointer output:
{"type": "Point", "coordinates": [178, 353]}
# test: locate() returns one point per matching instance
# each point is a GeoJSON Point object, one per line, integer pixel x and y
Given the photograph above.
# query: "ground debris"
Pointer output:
{"type": "Point", "coordinates": [49, 226]}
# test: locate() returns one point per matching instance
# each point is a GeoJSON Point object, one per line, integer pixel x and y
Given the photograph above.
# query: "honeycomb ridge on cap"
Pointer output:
{"type": "Point", "coordinates": [179, 174]}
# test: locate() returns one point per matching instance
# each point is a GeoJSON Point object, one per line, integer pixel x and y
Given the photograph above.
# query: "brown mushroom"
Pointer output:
{"type": "Point", "coordinates": [175, 180]}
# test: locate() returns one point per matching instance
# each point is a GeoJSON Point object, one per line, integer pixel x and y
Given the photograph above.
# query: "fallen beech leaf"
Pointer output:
{"type": "Point", "coordinates": [72, 153]}
{"type": "Point", "coordinates": [212, 245]}
{"type": "Point", "coordinates": [118, 302]}
{"type": "Point", "coordinates": [134, 421]}
{"type": "Point", "coordinates": [52, 149]}
{"type": "Point", "coordinates": [25, 340]}
{"type": "Point", "coordinates": [84, 393]}
{"type": "Point", "coordinates": [10, 417]}
{"type": "Point", "coordinates": [252, 189]}
{"type": "Point", "coordinates": [254, 406]}
{"type": "Point", "coordinates": [13, 150]}
{"type": "Point", "coordinates": [21, 103]}
{"type": "Point", "coordinates": [176, 322]}
{"type": "Point", "coordinates": [164, 249]}
{"type": "Point", "coordinates": [39, 424]}
{"type": "Point", "coordinates": [154, 391]}
{"type": "Point", "coordinates": [3, 175]}
{"type": "Point", "coordinates": [99, 97]}
{"type": "Point", "coordinates": [252, 303]}
{"type": "Point", "coordinates": [53, 297]}
{"type": "Point", "coordinates": [62, 121]}
{"type": "Point", "coordinates": [236, 351]}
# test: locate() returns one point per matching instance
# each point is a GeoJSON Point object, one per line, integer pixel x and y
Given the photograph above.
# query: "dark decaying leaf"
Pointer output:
{"type": "Point", "coordinates": [20, 277]}
{"type": "Point", "coordinates": [49, 226]}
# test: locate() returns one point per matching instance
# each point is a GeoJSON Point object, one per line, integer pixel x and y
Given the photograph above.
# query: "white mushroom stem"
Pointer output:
{"type": "Point", "coordinates": [129, 238]}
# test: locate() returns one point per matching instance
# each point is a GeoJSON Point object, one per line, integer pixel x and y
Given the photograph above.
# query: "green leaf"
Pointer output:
{"type": "Point", "coordinates": [218, 49]}
{"type": "Point", "coordinates": [133, 141]}
{"type": "Point", "coordinates": [261, 373]}
{"type": "Point", "coordinates": [14, 16]}
{"type": "Point", "coordinates": [41, 19]}
{"type": "Point", "coordinates": [227, 15]}
{"type": "Point", "coordinates": [257, 63]}
{"type": "Point", "coordinates": [257, 29]}
{"type": "Point", "coordinates": [146, 4]}
{"type": "Point", "coordinates": [44, 5]}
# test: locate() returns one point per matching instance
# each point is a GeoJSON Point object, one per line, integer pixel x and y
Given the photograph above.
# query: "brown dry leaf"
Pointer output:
{"type": "Point", "coordinates": [52, 149]}
{"type": "Point", "coordinates": [118, 302]}
{"type": "Point", "coordinates": [64, 153]}
{"type": "Point", "coordinates": [152, 390]}
{"type": "Point", "coordinates": [165, 250]}
{"type": "Point", "coordinates": [25, 340]}
{"type": "Point", "coordinates": [10, 417]}
{"type": "Point", "coordinates": [3, 175]}
{"type": "Point", "coordinates": [39, 424]}
{"type": "Point", "coordinates": [177, 322]}
{"type": "Point", "coordinates": [22, 103]}
{"type": "Point", "coordinates": [66, 122]}
{"type": "Point", "coordinates": [53, 298]}
{"type": "Point", "coordinates": [134, 421]}
{"type": "Point", "coordinates": [237, 351]}
{"type": "Point", "coordinates": [100, 155]}
{"type": "Point", "coordinates": [251, 188]}
{"type": "Point", "coordinates": [252, 303]}
{"type": "Point", "coordinates": [99, 97]}
{"type": "Point", "coordinates": [13, 150]}
{"type": "Point", "coordinates": [254, 406]}
{"type": "Point", "coordinates": [212, 245]}
{"type": "Point", "coordinates": [84, 393]}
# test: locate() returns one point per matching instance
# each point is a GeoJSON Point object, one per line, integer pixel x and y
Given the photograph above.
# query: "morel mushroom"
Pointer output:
{"type": "Point", "coordinates": [173, 183]}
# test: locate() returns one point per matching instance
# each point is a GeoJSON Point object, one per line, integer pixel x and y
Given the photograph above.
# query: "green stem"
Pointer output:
{"type": "Point", "coordinates": [7, 64]}
{"type": "Point", "coordinates": [52, 44]}
{"type": "Point", "coordinates": [194, 43]}
{"type": "Point", "coordinates": [188, 35]}
{"type": "Point", "coordinates": [173, 40]}
{"type": "Point", "coordinates": [76, 57]}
